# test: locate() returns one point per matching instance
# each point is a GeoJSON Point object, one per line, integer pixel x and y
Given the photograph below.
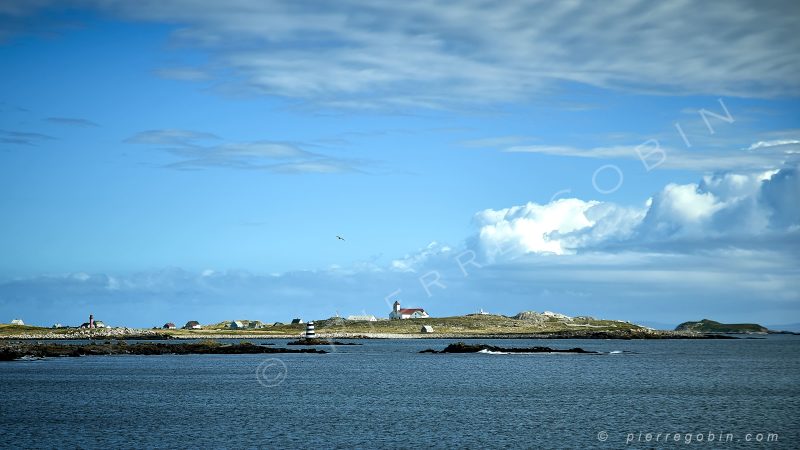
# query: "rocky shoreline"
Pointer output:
{"type": "Point", "coordinates": [318, 341]}
{"type": "Point", "coordinates": [146, 334]}
{"type": "Point", "coordinates": [569, 334]}
{"type": "Point", "coordinates": [20, 350]}
{"type": "Point", "coordinates": [103, 333]}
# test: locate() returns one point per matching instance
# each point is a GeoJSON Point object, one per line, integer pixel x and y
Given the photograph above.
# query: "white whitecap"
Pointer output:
{"type": "Point", "coordinates": [489, 352]}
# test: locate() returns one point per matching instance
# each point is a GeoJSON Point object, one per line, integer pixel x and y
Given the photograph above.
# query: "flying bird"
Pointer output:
{"type": "Point", "coordinates": [339, 237]}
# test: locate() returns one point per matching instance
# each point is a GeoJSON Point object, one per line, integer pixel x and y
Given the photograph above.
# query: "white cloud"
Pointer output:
{"type": "Point", "coordinates": [497, 141]}
{"type": "Point", "coordinates": [620, 151]}
{"type": "Point", "coordinates": [775, 143]}
{"type": "Point", "coordinates": [735, 185]}
{"type": "Point", "coordinates": [732, 240]}
{"type": "Point", "coordinates": [424, 53]}
{"type": "Point", "coordinates": [759, 155]}
{"type": "Point", "coordinates": [724, 207]}
{"type": "Point", "coordinates": [170, 137]}
{"type": "Point", "coordinates": [528, 228]}
{"type": "Point", "coordinates": [23, 137]}
{"type": "Point", "coordinates": [610, 224]}
{"type": "Point", "coordinates": [72, 121]}
{"type": "Point", "coordinates": [412, 262]}
{"type": "Point", "coordinates": [274, 156]}
{"type": "Point", "coordinates": [682, 207]}
{"type": "Point", "coordinates": [780, 194]}
{"type": "Point", "coordinates": [81, 276]}
{"type": "Point", "coordinates": [183, 73]}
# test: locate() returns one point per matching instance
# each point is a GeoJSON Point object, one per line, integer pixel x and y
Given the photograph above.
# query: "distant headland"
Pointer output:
{"type": "Point", "coordinates": [710, 326]}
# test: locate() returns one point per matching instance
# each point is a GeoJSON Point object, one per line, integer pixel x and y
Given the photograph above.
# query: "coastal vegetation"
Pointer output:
{"type": "Point", "coordinates": [471, 324]}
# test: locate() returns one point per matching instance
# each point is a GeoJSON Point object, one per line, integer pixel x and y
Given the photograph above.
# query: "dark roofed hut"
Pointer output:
{"type": "Point", "coordinates": [192, 325]}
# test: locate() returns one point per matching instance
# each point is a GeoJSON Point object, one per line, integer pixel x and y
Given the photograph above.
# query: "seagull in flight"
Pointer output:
{"type": "Point", "coordinates": [339, 237]}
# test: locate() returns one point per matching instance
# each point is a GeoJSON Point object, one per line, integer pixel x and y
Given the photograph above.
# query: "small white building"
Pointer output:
{"type": "Point", "coordinates": [407, 313]}
{"type": "Point", "coordinates": [17, 322]}
{"type": "Point", "coordinates": [237, 325]}
{"type": "Point", "coordinates": [363, 318]}
{"type": "Point", "coordinates": [426, 329]}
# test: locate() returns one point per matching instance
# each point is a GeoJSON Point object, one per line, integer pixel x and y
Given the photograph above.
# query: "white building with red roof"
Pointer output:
{"type": "Point", "coordinates": [407, 313]}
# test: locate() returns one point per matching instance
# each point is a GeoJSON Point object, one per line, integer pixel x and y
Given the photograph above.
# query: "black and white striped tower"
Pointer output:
{"type": "Point", "coordinates": [310, 330]}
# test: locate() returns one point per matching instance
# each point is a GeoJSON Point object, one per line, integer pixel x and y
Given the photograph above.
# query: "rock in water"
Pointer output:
{"type": "Point", "coordinates": [460, 347]}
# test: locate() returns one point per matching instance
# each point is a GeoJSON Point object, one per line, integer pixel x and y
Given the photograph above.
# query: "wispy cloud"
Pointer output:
{"type": "Point", "coordinates": [763, 155]}
{"type": "Point", "coordinates": [793, 143]}
{"type": "Point", "coordinates": [170, 137]}
{"type": "Point", "coordinates": [195, 153]}
{"type": "Point", "coordinates": [183, 73]}
{"type": "Point", "coordinates": [425, 55]}
{"type": "Point", "coordinates": [23, 137]}
{"type": "Point", "coordinates": [7, 107]}
{"type": "Point", "coordinates": [498, 141]}
{"type": "Point", "coordinates": [71, 121]}
{"type": "Point", "coordinates": [418, 53]}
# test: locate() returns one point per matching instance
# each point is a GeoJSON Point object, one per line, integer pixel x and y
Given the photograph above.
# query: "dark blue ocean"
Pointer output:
{"type": "Point", "coordinates": [384, 394]}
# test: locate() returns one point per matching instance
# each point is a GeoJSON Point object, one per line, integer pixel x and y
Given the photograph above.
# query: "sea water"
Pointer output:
{"type": "Point", "coordinates": [384, 394]}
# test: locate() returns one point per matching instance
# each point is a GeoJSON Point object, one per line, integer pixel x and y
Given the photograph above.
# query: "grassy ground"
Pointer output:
{"type": "Point", "coordinates": [466, 325]}
{"type": "Point", "coordinates": [8, 330]}
{"type": "Point", "coordinates": [471, 324]}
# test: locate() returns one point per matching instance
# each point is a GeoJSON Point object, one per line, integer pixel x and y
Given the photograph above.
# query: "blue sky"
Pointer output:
{"type": "Point", "coordinates": [180, 160]}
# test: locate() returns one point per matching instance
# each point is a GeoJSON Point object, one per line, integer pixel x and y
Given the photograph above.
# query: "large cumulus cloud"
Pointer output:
{"type": "Point", "coordinates": [723, 208]}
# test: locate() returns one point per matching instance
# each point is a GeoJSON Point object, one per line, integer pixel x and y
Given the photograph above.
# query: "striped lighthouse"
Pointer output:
{"type": "Point", "coordinates": [310, 330]}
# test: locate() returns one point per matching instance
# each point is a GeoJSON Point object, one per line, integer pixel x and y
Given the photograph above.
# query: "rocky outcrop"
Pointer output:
{"type": "Point", "coordinates": [460, 347]}
{"type": "Point", "coordinates": [97, 333]}
{"type": "Point", "coordinates": [12, 351]}
{"type": "Point", "coordinates": [531, 316]}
